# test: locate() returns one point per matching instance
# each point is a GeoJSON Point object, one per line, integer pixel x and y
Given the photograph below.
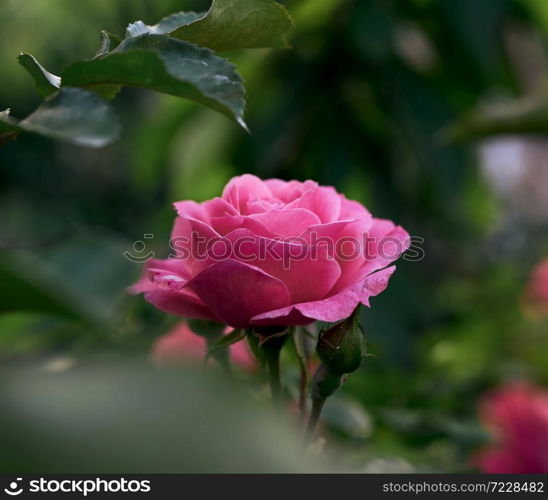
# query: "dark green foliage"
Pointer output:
{"type": "Point", "coordinates": [150, 58]}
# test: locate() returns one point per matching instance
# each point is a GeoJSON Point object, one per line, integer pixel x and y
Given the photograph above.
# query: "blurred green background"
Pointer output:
{"type": "Point", "coordinates": [363, 101]}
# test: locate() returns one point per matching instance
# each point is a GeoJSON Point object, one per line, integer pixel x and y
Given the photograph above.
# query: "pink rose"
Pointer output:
{"type": "Point", "coordinates": [181, 345]}
{"type": "Point", "coordinates": [536, 292]}
{"type": "Point", "coordinates": [273, 253]}
{"type": "Point", "coordinates": [517, 415]}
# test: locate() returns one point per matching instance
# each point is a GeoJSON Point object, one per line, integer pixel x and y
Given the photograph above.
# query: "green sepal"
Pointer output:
{"type": "Point", "coordinates": [205, 328]}
{"type": "Point", "coordinates": [227, 340]}
{"type": "Point", "coordinates": [253, 340]}
{"type": "Point", "coordinates": [325, 383]}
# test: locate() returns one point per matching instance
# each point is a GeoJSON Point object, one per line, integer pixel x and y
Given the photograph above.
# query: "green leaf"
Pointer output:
{"type": "Point", "coordinates": [32, 333]}
{"type": "Point", "coordinates": [105, 44]}
{"type": "Point", "coordinates": [163, 64]}
{"type": "Point", "coordinates": [108, 42]}
{"type": "Point", "coordinates": [8, 128]}
{"type": "Point", "coordinates": [72, 115]}
{"type": "Point", "coordinates": [106, 91]}
{"type": "Point", "coordinates": [104, 48]}
{"type": "Point", "coordinates": [227, 340]}
{"type": "Point", "coordinates": [239, 24]}
{"type": "Point", "coordinates": [28, 287]}
{"type": "Point", "coordinates": [8, 124]}
{"type": "Point", "coordinates": [81, 278]}
{"type": "Point", "coordinates": [166, 25]}
{"type": "Point", "coordinates": [45, 83]}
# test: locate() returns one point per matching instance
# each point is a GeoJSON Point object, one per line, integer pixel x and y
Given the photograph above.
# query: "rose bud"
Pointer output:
{"type": "Point", "coordinates": [325, 383]}
{"type": "Point", "coordinates": [341, 348]}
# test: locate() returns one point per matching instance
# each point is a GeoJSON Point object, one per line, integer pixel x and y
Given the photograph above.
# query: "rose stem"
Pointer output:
{"type": "Point", "coordinates": [271, 348]}
{"type": "Point", "coordinates": [275, 381]}
{"type": "Point", "coordinates": [300, 348]}
{"type": "Point", "coordinates": [324, 384]}
{"type": "Point", "coordinates": [317, 406]}
{"type": "Point", "coordinates": [221, 355]}
{"type": "Point", "coordinates": [302, 392]}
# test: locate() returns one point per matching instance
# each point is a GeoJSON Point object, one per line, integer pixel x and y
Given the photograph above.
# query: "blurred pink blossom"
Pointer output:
{"type": "Point", "coordinates": [182, 345]}
{"type": "Point", "coordinates": [536, 291]}
{"type": "Point", "coordinates": [517, 416]}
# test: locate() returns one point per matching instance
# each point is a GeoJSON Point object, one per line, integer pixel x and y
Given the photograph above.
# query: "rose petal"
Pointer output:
{"type": "Point", "coordinates": [217, 207]}
{"type": "Point", "coordinates": [276, 187]}
{"type": "Point", "coordinates": [346, 241]}
{"type": "Point", "coordinates": [351, 209]}
{"type": "Point", "coordinates": [285, 316]}
{"type": "Point", "coordinates": [308, 273]}
{"type": "Point", "coordinates": [381, 249]}
{"type": "Point", "coordinates": [228, 223]}
{"type": "Point", "coordinates": [181, 303]}
{"type": "Point", "coordinates": [325, 202]}
{"type": "Point", "coordinates": [190, 209]}
{"type": "Point", "coordinates": [163, 284]}
{"type": "Point", "coordinates": [287, 191]}
{"type": "Point", "coordinates": [335, 235]}
{"type": "Point", "coordinates": [244, 188]}
{"type": "Point", "coordinates": [235, 292]}
{"type": "Point", "coordinates": [168, 266]}
{"type": "Point", "coordinates": [334, 308]}
{"type": "Point", "coordinates": [191, 241]}
{"type": "Point", "coordinates": [287, 223]}
{"type": "Point", "coordinates": [385, 243]}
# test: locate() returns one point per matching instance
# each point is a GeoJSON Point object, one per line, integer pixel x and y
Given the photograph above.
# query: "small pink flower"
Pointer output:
{"type": "Point", "coordinates": [517, 415]}
{"type": "Point", "coordinates": [273, 253]}
{"type": "Point", "coordinates": [536, 292]}
{"type": "Point", "coordinates": [181, 345]}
